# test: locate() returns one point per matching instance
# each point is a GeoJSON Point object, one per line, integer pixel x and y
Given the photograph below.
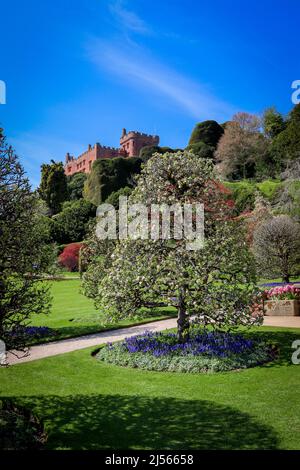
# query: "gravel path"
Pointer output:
{"type": "Point", "coordinates": [73, 344]}
{"type": "Point", "coordinates": [67, 345]}
{"type": "Point", "coordinates": [286, 322]}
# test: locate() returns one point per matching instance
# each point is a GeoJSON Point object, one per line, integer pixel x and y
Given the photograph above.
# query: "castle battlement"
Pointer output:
{"type": "Point", "coordinates": [133, 141]}
{"type": "Point", "coordinates": [115, 149]}
{"type": "Point", "coordinates": [132, 134]}
{"type": "Point", "coordinates": [130, 145]}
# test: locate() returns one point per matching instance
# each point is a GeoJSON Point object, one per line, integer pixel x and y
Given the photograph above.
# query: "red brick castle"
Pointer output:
{"type": "Point", "coordinates": [130, 145]}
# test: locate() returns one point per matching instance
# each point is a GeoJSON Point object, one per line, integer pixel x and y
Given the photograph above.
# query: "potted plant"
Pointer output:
{"type": "Point", "coordinates": [282, 300]}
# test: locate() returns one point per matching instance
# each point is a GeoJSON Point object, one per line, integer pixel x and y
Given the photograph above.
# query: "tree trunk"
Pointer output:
{"type": "Point", "coordinates": [182, 319]}
{"type": "Point", "coordinates": [286, 278]}
{"type": "Point", "coordinates": [285, 268]}
{"type": "Point", "coordinates": [244, 171]}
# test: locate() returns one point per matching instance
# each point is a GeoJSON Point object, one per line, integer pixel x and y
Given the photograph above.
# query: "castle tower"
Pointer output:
{"type": "Point", "coordinates": [68, 158]}
{"type": "Point", "coordinates": [132, 142]}
{"type": "Point", "coordinates": [130, 145]}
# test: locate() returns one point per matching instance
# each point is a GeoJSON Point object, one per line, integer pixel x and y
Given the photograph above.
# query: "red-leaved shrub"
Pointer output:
{"type": "Point", "coordinates": [69, 258]}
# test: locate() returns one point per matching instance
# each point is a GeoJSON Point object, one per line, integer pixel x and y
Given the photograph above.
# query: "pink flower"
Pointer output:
{"type": "Point", "coordinates": [289, 291]}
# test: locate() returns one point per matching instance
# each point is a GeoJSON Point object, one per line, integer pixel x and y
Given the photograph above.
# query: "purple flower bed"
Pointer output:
{"type": "Point", "coordinates": [213, 343]}
{"type": "Point", "coordinates": [205, 351]}
{"type": "Point", "coordinates": [33, 331]}
{"type": "Point", "coordinates": [274, 284]}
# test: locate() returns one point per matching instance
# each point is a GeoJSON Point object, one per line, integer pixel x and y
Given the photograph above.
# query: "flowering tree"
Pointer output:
{"type": "Point", "coordinates": [214, 285]}
{"type": "Point", "coordinates": [69, 258]}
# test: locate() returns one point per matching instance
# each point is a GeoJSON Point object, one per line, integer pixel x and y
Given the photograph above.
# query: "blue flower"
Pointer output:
{"type": "Point", "coordinates": [212, 343]}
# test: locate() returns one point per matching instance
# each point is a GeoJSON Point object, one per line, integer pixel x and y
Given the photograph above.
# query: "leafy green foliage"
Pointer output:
{"type": "Point", "coordinates": [108, 176]}
{"type": "Point", "coordinates": [294, 116]}
{"type": "Point", "coordinates": [269, 189]}
{"type": "Point", "coordinates": [294, 192]}
{"type": "Point", "coordinates": [53, 188]}
{"type": "Point", "coordinates": [149, 150]}
{"type": "Point", "coordinates": [202, 149]}
{"type": "Point", "coordinates": [208, 132]}
{"type": "Point", "coordinates": [113, 199]}
{"type": "Point", "coordinates": [75, 186]}
{"type": "Point", "coordinates": [286, 145]}
{"type": "Point", "coordinates": [72, 223]}
{"type": "Point", "coordinates": [273, 122]}
{"type": "Point", "coordinates": [24, 250]}
{"type": "Point", "coordinates": [244, 192]}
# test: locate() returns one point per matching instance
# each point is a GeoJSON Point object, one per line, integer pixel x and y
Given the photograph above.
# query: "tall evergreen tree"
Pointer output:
{"type": "Point", "coordinates": [53, 188]}
{"type": "Point", "coordinates": [208, 132]}
{"type": "Point", "coordinates": [286, 145]}
{"type": "Point", "coordinates": [273, 122]}
{"type": "Point", "coordinates": [205, 138]}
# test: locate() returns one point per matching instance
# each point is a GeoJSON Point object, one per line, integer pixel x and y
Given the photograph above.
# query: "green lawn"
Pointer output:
{"type": "Point", "coordinates": [279, 279]}
{"type": "Point", "coordinates": [73, 314]}
{"type": "Point", "coordinates": [86, 404]}
{"type": "Point", "coordinates": [69, 275]}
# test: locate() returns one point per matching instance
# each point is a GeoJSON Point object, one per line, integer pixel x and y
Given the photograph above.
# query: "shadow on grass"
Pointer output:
{"type": "Point", "coordinates": [135, 422]}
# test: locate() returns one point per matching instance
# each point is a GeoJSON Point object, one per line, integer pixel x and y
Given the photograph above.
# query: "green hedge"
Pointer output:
{"type": "Point", "coordinates": [108, 176]}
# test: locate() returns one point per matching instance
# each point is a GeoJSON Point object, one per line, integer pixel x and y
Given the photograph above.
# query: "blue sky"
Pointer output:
{"type": "Point", "coordinates": [78, 71]}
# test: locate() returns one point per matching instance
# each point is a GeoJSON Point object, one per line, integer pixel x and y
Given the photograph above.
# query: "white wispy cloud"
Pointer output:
{"type": "Point", "coordinates": [127, 18]}
{"type": "Point", "coordinates": [128, 21]}
{"type": "Point", "coordinates": [139, 69]}
{"type": "Point", "coordinates": [35, 148]}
